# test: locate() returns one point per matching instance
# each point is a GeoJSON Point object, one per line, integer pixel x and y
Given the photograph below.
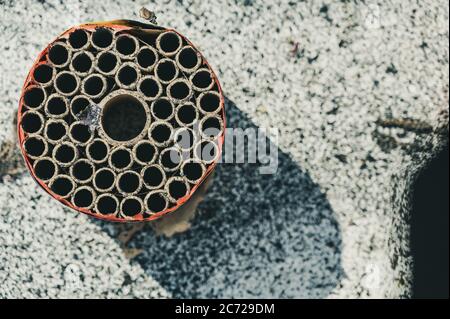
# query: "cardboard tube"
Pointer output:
{"type": "Point", "coordinates": [144, 152]}
{"type": "Point", "coordinates": [193, 170]}
{"type": "Point", "coordinates": [65, 154]}
{"type": "Point", "coordinates": [62, 185]}
{"type": "Point", "coordinates": [44, 74]}
{"type": "Point", "coordinates": [80, 134]}
{"type": "Point", "coordinates": [59, 54]}
{"type": "Point", "coordinates": [166, 71]}
{"type": "Point", "coordinates": [34, 97]}
{"type": "Point", "coordinates": [211, 126]}
{"type": "Point", "coordinates": [84, 197]}
{"type": "Point", "coordinates": [206, 151]}
{"type": "Point", "coordinates": [160, 133]}
{"type": "Point", "coordinates": [188, 59]}
{"type": "Point", "coordinates": [202, 80]}
{"type": "Point", "coordinates": [176, 187]}
{"type": "Point", "coordinates": [82, 171]}
{"type": "Point", "coordinates": [156, 201]}
{"type": "Point", "coordinates": [179, 90]}
{"type": "Point", "coordinates": [107, 204]}
{"type": "Point", "coordinates": [153, 176]}
{"type": "Point", "coordinates": [82, 63]}
{"type": "Point", "coordinates": [185, 138]}
{"type": "Point", "coordinates": [120, 158]}
{"type": "Point", "coordinates": [67, 83]}
{"type": "Point", "coordinates": [35, 146]}
{"type": "Point", "coordinates": [186, 114]}
{"type": "Point", "coordinates": [107, 63]}
{"type": "Point", "coordinates": [168, 43]}
{"type": "Point", "coordinates": [79, 39]}
{"type": "Point", "coordinates": [55, 131]}
{"type": "Point", "coordinates": [94, 86]}
{"type": "Point", "coordinates": [56, 106]}
{"type": "Point", "coordinates": [102, 39]}
{"type": "Point", "coordinates": [127, 75]}
{"type": "Point", "coordinates": [32, 122]}
{"type": "Point", "coordinates": [128, 182]}
{"type": "Point", "coordinates": [104, 179]}
{"type": "Point", "coordinates": [45, 168]}
{"type": "Point", "coordinates": [97, 151]}
{"type": "Point", "coordinates": [126, 46]}
{"type": "Point", "coordinates": [209, 102]}
{"type": "Point", "coordinates": [162, 109]}
{"type": "Point", "coordinates": [130, 207]}
{"type": "Point", "coordinates": [147, 58]}
{"type": "Point", "coordinates": [170, 159]}
{"type": "Point", "coordinates": [78, 104]}
{"type": "Point", "coordinates": [149, 87]}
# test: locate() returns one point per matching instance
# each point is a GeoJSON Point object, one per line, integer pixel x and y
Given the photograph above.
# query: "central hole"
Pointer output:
{"type": "Point", "coordinates": [124, 117]}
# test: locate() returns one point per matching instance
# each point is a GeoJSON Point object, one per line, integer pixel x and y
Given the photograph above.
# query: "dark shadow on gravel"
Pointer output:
{"type": "Point", "coordinates": [253, 236]}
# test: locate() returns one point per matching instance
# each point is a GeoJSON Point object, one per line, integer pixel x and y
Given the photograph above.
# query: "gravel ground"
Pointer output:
{"type": "Point", "coordinates": [330, 75]}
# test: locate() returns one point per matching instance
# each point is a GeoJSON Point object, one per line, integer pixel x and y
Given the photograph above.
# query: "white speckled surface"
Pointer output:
{"type": "Point", "coordinates": [315, 229]}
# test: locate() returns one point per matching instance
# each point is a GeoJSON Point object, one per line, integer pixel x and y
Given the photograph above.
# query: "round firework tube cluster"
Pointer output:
{"type": "Point", "coordinates": [121, 120]}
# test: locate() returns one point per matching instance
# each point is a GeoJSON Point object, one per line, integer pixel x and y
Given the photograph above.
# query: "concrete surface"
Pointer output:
{"type": "Point", "coordinates": [327, 74]}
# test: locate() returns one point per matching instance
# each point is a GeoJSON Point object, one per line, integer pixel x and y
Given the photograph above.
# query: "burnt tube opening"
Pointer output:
{"type": "Point", "coordinates": [160, 133]}
{"type": "Point", "coordinates": [153, 176]}
{"type": "Point", "coordinates": [145, 152]}
{"type": "Point", "coordinates": [162, 109]}
{"type": "Point", "coordinates": [202, 79]}
{"type": "Point", "coordinates": [78, 39]}
{"type": "Point", "coordinates": [31, 122]}
{"type": "Point", "coordinates": [169, 42]}
{"type": "Point", "coordinates": [129, 182]}
{"type": "Point", "coordinates": [131, 206]}
{"type": "Point", "coordinates": [107, 62]}
{"type": "Point", "coordinates": [98, 151]}
{"type": "Point", "coordinates": [82, 62]}
{"type": "Point", "coordinates": [58, 54]}
{"type": "Point", "coordinates": [187, 114]}
{"type": "Point", "coordinates": [62, 185]}
{"type": "Point", "coordinates": [166, 70]}
{"type": "Point", "coordinates": [127, 75]}
{"type": "Point", "coordinates": [43, 73]}
{"type": "Point", "coordinates": [150, 87]}
{"type": "Point", "coordinates": [211, 127]}
{"type": "Point", "coordinates": [156, 202]}
{"type": "Point", "coordinates": [177, 188]}
{"type": "Point", "coordinates": [126, 45]}
{"type": "Point", "coordinates": [188, 58]}
{"type": "Point", "coordinates": [209, 102]}
{"type": "Point", "coordinates": [55, 131]}
{"type": "Point", "coordinates": [192, 170]}
{"type": "Point", "coordinates": [35, 146]}
{"type": "Point", "coordinates": [56, 106]}
{"type": "Point", "coordinates": [45, 169]}
{"type": "Point", "coordinates": [179, 90]}
{"type": "Point", "coordinates": [65, 153]}
{"type": "Point", "coordinates": [79, 104]}
{"type": "Point", "coordinates": [124, 117]}
{"type": "Point", "coordinates": [120, 158]}
{"type": "Point", "coordinates": [104, 179]}
{"type": "Point", "coordinates": [94, 85]}
{"type": "Point", "coordinates": [80, 133]}
{"type": "Point", "coordinates": [34, 97]}
{"type": "Point", "coordinates": [83, 197]}
{"type": "Point", "coordinates": [146, 58]}
{"type": "Point", "coordinates": [170, 159]}
{"type": "Point", "coordinates": [107, 204]}
{"type": "Point", "coordinates": [102, 38]}
{"type": "Point", "coordinates": [66, 83]}
{"type": "Point", "coordinates": [82, 170]}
